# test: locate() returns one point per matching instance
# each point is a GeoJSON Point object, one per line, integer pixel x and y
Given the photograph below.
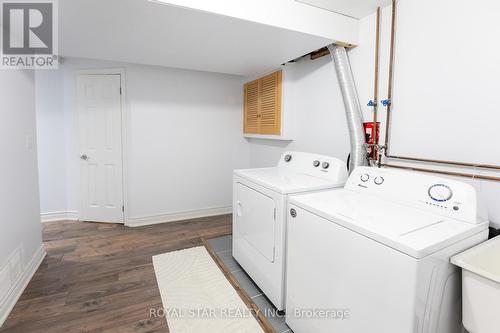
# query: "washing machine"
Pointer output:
{"type": "Point", "coordinates": [375, 256]}
{"type": "Point", "coordinates": [259, 213]}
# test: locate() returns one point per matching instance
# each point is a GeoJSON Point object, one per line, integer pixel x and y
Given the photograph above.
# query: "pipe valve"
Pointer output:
{"type": "Point", "coordinates": [372, 103]}
{"type": "Point", "coordinates": [386, 102]}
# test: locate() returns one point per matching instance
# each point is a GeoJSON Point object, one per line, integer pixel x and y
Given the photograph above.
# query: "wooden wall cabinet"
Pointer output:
{"type": "Point", "coordinates": [262, 105]}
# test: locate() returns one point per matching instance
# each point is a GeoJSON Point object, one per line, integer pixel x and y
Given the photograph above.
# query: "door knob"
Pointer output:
{"type": "Point", "coordinates": [84, 157]}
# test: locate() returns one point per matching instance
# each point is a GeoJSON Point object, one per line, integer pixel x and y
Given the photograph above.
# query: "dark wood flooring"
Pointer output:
{"type": "Point", "coordinates": [99, 278]}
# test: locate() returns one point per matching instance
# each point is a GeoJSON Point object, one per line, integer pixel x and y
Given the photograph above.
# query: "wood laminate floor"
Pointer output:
{"type": "Point", "coordinates": [99, 278]}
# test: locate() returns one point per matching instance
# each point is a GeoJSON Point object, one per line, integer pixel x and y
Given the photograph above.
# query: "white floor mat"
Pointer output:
{"type": "Point", "coordinates": [197, 297]}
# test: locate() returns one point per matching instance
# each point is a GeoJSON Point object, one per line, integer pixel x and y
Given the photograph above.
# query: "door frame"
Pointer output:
{"type": "Point", "coordinates": [124, 125]}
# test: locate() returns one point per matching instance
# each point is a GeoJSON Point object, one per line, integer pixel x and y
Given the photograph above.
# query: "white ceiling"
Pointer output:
{"type": "Point", "coordinates": [139, 31]}
{"type": "Point", "coordinates": [353, 8]}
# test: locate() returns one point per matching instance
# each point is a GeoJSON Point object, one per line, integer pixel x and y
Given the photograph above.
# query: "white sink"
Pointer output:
{"type": "Point", "coordinates": [481, 286]}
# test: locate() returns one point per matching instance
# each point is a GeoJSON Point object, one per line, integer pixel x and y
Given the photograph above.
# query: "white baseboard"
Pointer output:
{"type": "Point", "coordinates": [18, 286]}
{"type": "Point", "coordinates": [59, 216]}
{"type": "Point", "coordinates": [178, 216]}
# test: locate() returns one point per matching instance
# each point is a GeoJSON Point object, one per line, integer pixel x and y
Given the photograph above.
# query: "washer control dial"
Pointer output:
{"type": "Point", "coordinates": [379, 180]}
{"type": "Point", "coordinates": [440, 192]}
{"type": "Point", "coordinates": [316, 163]}
{"type": "Point", "coordinates": [325, 165]}
{"type": "Point", "coordinates": [288, 158]}
{"type": "Point", "coordinates": [365, 177]}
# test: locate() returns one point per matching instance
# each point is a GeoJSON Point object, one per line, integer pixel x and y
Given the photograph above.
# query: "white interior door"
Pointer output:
{"type": "Point", "coordinates": [100, 123]}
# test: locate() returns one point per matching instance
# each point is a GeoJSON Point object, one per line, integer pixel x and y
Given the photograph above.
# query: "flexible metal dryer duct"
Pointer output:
{"type": "Point", "coordinates": [352, 106]}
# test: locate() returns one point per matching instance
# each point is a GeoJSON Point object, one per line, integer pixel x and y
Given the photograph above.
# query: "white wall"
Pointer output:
{"type": "Point", "coordinates": [51, 132]}
{"type": "Point", "coordinates": [183, 139]}
{"type": "Point", "coordinates": [20, 229]}
{"type": "Point", "coordinates": [312, 96]}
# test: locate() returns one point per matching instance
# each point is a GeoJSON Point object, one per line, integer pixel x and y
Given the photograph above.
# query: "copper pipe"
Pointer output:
{"type": "Point", "coordinates": [471, 165]}
{"type": "Point", "coordinates": [450, 173]}
{"type": "Point", "coordinates": [375, 89]}
{"type": "Point", "coordinates": [391, 74]}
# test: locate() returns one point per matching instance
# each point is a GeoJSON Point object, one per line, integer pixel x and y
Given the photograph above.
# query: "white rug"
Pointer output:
{"type": "Point", "coordinates": [197, 297]}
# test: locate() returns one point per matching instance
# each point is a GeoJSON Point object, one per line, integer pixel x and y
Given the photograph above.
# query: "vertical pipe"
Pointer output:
{"type": "Point", "coordinates": [375, 89]}
{"type": "Point", "coordinates": [391, 77]}
{"type": "Point", "coordinates": [352, 106]}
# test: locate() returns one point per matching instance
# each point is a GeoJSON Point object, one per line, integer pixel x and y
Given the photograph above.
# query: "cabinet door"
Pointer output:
{"type": "Point", "coordinates": [262, 105]}
{"type": "Point", "coordinates": [270, 104]}
{"type": "Point", "coordinates": [252, 107]}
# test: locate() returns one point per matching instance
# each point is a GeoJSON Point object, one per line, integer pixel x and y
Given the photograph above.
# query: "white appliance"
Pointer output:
{"type": "Point", "coordinates": [481, 286]}
{"type": "Point", "coordinates": [259, 213]}
{"type": "Point", "coordinates": [375, 256]}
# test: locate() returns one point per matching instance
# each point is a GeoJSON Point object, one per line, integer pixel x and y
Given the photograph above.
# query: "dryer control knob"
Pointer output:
{"type": "Point", "coordinates": [325, 165]}
{"type": "Point", "coordinates": [316, 163]}
{"type": "Point", "coordinates": [379, 180]}
{"type": "Point", "coordinates": [293, 212]}
{"type": "Point", "coordinates": [365, 177]}
{"type": "Point", "coordinates": [288, 158]}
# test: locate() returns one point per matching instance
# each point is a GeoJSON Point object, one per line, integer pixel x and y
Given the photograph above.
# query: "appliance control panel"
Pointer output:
{"type": "Point", "coordinates": [321, 166]}
{"type": "Point", "coordinates": [437, 195]}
